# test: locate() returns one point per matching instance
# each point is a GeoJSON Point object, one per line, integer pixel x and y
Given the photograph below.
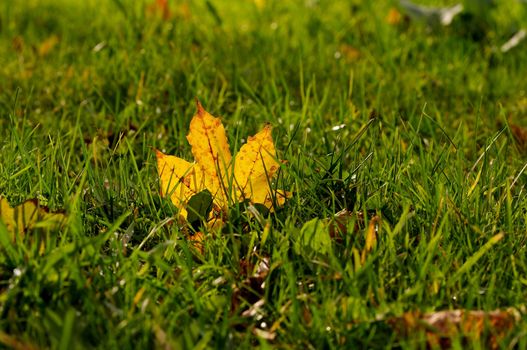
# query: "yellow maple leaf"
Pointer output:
{"type": "Point", "coordinates": [26, 216]}
{"type": "Point", "coordinates": [248, 177]}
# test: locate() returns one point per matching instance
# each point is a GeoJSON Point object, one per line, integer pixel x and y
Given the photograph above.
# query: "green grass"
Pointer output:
{"type": "Point", "coordinates": [424, 143]}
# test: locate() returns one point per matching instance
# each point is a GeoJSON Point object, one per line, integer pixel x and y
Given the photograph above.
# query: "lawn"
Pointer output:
{"type": "Point", "coordinates": [403, 145]}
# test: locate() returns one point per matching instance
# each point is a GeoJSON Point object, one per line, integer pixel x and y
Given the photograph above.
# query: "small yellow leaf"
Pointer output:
{"type": "Point", "coordinates": [47, 45]}
{"type": "Point", "coordinates": [488, 328]}
{"type": "Point", "coordinates": [26, 216]}
{"type": "Point", "coordinates": [394, 17]}
{"type": "Point", "coordinates": [260, 4]}
{"type": "Point", "coordinates": [210, 149]}
{"type": "Point", "coordinates": [371, 237]}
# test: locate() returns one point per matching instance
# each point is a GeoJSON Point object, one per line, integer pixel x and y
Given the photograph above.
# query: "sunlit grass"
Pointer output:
{"type": "Point", "coordinates": [391, 120]}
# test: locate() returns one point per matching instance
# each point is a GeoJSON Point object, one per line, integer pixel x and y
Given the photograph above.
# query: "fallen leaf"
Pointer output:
{"type": "Point", "coordinates": [394, 17]}
{"type": "Point", "coordinates": [160, 8]}
{"type": "Point", "coordinates": [210, 149]}
{"type": "Point", "coordinates": [318, 234]}
{"type": "Point", "coordinates": [267, 335]}
{"type": "Point", "coordinates": [350, 54]}
{"type": "Point", "coordinates": [197, 241]}
{"type": "Point", "coordinates": [248, 177]}
{"type": "Point", "coordinates": [14, 343]}
{"type": "Point", "coordinates": [520, 135]}
{"type": "Point", "coordinates": [179, 180]}
{"type": "Point", "coordinates": [339, 226]}
{"type": "Point", "coordinates": [443, 326]}
{"type": "Point", "coordinates": [18, 44]}
{"type": "Point", "coordinates": [26, 216]}
{"type": "Point", "coordinates": [47, 45]}
{"type": "Point", "coordinates": [248, 295]}
{"type": "Point", "coordinates": [254, 165]}
{"type": "Point", "coordinates": [340, 222]}
{"type": "Point", "coordinates": [371, 236]}
{"type": "Point", "coordinates": [254, 310]}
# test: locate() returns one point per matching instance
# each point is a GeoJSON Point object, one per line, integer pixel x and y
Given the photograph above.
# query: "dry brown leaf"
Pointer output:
{"type": "Point", "coordinates": [251, 289]}
{"type": "Point", "coordinates": [520, 135]}
{"type": "Point", "coordinates": [12, 342]}
{"type": "Point", "coordinates": [160, 8]}
{"type": "Point", "coordinates": [18, 44]}
{"type": "Point", "coordinates": [339, 224]}
{"type": "Point", "coordinates": [350, 53]}
{"type": "Point", "coordinates": [443, 326]}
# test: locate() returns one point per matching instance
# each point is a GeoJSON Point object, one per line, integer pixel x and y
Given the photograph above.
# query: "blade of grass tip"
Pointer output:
{"type": "Point", "coordinates": [474, 258]}
{"type": "Point", "coordinates": [146, 194]}
{"type": "Point", "coordinates": [356, 169]}
{"type": "Point", "coordinates": [292, 137]}
{"type": "Point", "coordinates": [76, 132]}
{"type": "Point", "coordinates": [112, 230]}
{"type": "Point", "coordinates": [508, 206]}
{"type": "Point", "coordinates": [80, 187]}
{"type": "Point", "coordinates": [350, 86]}
{"type": "Point", "coordinates": [336, 161]}
{"type": "Point", "coordinates": [20, 172]}
{"type": "Point", "coordinates": [494, 139]}
{"type": "Point", "coordinates": [440, 128]}
{"type": "Point", "coordinates": [67, 330]}
{"type": "Point", "coordinates": [473, 186]}
{"type": "Point", "coordinates": [402, 221]}
{"type": "Point", "coordinates": [58, 254]}
{"type": "Point", "coordinates": [120, 5]}
{"type": "Point", "coordinates": [247, 87]}
{"type": "Point", "coordinates": [359, 133]}
{"type": "Point", "coordinates": [151, 233]}
{"type": "Point", "coordinates": [517, 176]}
{"type": "Point", "coordinates": [214, 12]}
{"type": "Point", "coordinates": [306, 100]}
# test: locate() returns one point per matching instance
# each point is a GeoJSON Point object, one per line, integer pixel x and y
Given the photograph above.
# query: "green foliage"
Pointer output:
{"type": "Point", "coordinates": [199, 207]}
{"type": "Point", "coordinates": [313, 237]}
